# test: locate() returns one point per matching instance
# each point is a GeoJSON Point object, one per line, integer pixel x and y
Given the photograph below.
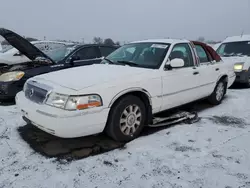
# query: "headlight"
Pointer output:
{"type": "Point", "coordinates": [57, 100]}
{"type": "Point", "coordinates": [11, 76]}
{"type": "Point", "coordinates": [238, 66]}
{"type": "Point", "coordinates": [74, 102]}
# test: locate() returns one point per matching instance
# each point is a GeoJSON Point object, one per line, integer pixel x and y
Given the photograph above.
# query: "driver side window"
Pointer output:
{"type": "Point", "coordinates": [86, 53]}
{"type": "Point", "coordinates": [182, 51]}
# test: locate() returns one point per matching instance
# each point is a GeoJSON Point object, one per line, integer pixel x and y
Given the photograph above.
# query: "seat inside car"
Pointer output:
{"type": "Point", "coordinates": [177, 54]}
{"type": "Point", "coordinates": [149, 56]}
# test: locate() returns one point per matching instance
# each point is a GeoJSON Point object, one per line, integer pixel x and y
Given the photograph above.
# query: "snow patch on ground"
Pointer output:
{"type": "Point", "coordinates": [211, 153]}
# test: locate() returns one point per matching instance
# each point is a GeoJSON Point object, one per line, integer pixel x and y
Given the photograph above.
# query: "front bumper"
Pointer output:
{"type": "Point", "coordinates": [242, 77]}
{"type": "Point", "coordinates": [8, 90]}
{"type": "Point", "coordinates": [231, 80]}
{"type": "Point", "coordinates": [62, 123]}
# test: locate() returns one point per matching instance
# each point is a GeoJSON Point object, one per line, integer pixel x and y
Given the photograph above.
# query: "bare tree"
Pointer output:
{"type": "Point", "coordinates": [109, 41]}
{"type": "Point", "coordinates": [97, 40]}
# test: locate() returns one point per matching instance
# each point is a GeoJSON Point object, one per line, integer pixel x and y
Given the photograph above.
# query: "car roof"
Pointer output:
{"type": "Point", "coordinates": [237, 38]}
{"type": "Point", "coordinates": [169, 41]}
{"type": "Point", "coordinates": [86, 45]}
{"type": "Point", "coordinates": [51, 41]}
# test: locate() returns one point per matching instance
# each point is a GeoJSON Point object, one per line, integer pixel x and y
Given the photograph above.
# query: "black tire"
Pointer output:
{"type": "Point", "coordinates": [113, 127]}
{"type": "Point", "coordinates": [247, 84]}
{"type": "Point", "coordinates": [213, 99]}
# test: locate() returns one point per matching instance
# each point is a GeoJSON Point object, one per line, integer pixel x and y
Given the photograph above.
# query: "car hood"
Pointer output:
{"type": "Point", "coordinates": [87, 76]}
{"type": "Point", "coordinates": [235, 59]}
{"type": "Point", "coordinates": [21, 44]}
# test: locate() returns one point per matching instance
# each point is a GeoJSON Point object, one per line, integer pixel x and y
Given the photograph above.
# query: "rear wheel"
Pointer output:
{"type": "Point", "coordinates": [126, 119]}
{"type": "Point", "coordinates": [219, 92]}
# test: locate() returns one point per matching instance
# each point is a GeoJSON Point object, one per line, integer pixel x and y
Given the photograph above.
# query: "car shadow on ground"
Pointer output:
{"type": "Point", "coordinates": [7, 102]}
{"type": "Point", "coordinates": [238, 86]}
{"type": "Point", "coordinates": [78, 148]}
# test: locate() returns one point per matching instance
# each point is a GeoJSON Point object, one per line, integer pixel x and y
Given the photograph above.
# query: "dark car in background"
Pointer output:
{"type": "Point", "coordinates": [13, 77]}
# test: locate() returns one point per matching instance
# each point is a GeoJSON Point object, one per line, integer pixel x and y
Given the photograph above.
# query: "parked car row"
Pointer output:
{"type": "Point", "coordinates": [120, 89]}
{"type": "Point", "coordinates": [13, 77]}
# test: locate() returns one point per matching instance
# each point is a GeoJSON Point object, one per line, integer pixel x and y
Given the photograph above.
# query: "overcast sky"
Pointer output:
{"type": "Point", "coordinates": [126, 20]}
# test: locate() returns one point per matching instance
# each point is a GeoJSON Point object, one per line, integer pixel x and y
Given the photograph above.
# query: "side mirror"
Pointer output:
{"type": "Point", "coordinates": [177, 63]}
{"type": "Point", "coordinates": [74, 58]}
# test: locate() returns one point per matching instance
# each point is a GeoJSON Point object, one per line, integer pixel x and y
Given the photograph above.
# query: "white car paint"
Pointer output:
{"type": "Point", "coordinates": [165, 90]}
{"type": "Point", "coordinates": [215, 46]}
{"type": "Point", "coordinates": [237, 58]}
{"type": "Point", "coordinates": [12, 56]}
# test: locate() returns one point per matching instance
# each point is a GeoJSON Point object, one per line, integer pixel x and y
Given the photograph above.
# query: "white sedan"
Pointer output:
{"type": "Point", "coordinates": [121, 95]}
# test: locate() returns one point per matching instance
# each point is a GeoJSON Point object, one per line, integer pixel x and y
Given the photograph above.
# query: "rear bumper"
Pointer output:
{"type": "Point", "coordinates": [8, 90]}
{"type": "Point", "coordinates": [242, 77]}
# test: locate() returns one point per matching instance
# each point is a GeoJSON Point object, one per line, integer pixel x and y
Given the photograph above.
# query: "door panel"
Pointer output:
{"type": "Point", "coordinates": [209, 71]}
{"type": "Point", "coordinates": [180, 85]}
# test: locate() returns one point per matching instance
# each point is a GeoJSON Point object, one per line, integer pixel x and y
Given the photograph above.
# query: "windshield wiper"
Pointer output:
{"type": "Point", "coordinates": [110, 61]}
{"type": "Point", "coordinates": [128, 63]}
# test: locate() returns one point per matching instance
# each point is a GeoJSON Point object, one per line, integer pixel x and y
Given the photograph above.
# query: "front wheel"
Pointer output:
{"type": "Point", "coordinates": [126, 119]}
{"type": "Point", "coordinates": [218, 94]}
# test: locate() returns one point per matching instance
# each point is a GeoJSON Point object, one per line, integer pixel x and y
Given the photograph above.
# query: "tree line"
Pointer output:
{"type": "Point", "coordinates": [96, 40]}
{"type": "Point", "coordinates": [107, 41]}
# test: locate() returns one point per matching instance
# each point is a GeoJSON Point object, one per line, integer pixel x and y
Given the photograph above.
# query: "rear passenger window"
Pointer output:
{"type": "Point", "coordinates": [202, 54]}
{"type": "Point", "coordinates": [105, 51]}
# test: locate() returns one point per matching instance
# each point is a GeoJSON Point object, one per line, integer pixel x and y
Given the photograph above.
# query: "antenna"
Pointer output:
{"type": "Point", "coordinates": [242, 33]}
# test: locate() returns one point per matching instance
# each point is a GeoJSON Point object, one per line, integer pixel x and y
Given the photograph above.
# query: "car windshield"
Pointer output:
{"type": "Point", "coordinates": [146, 55]}
{"type": "Point", "coordinates": [234, 49]}
{"type": "Point", "coordinates": [59, 54]}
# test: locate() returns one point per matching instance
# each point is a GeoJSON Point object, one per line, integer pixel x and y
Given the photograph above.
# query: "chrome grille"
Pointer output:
{"type": "Point", "coordinates": [35, 93]}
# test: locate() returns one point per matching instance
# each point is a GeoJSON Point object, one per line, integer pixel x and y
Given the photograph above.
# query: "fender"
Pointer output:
{"type": "Point", "coordinates": [128, 90]}
{"type": "Point", "coordinates": [221, 77]}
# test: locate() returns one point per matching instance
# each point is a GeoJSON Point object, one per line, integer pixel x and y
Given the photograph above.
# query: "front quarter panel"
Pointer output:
{"type": "Point", "coordinates": [149, 83]}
